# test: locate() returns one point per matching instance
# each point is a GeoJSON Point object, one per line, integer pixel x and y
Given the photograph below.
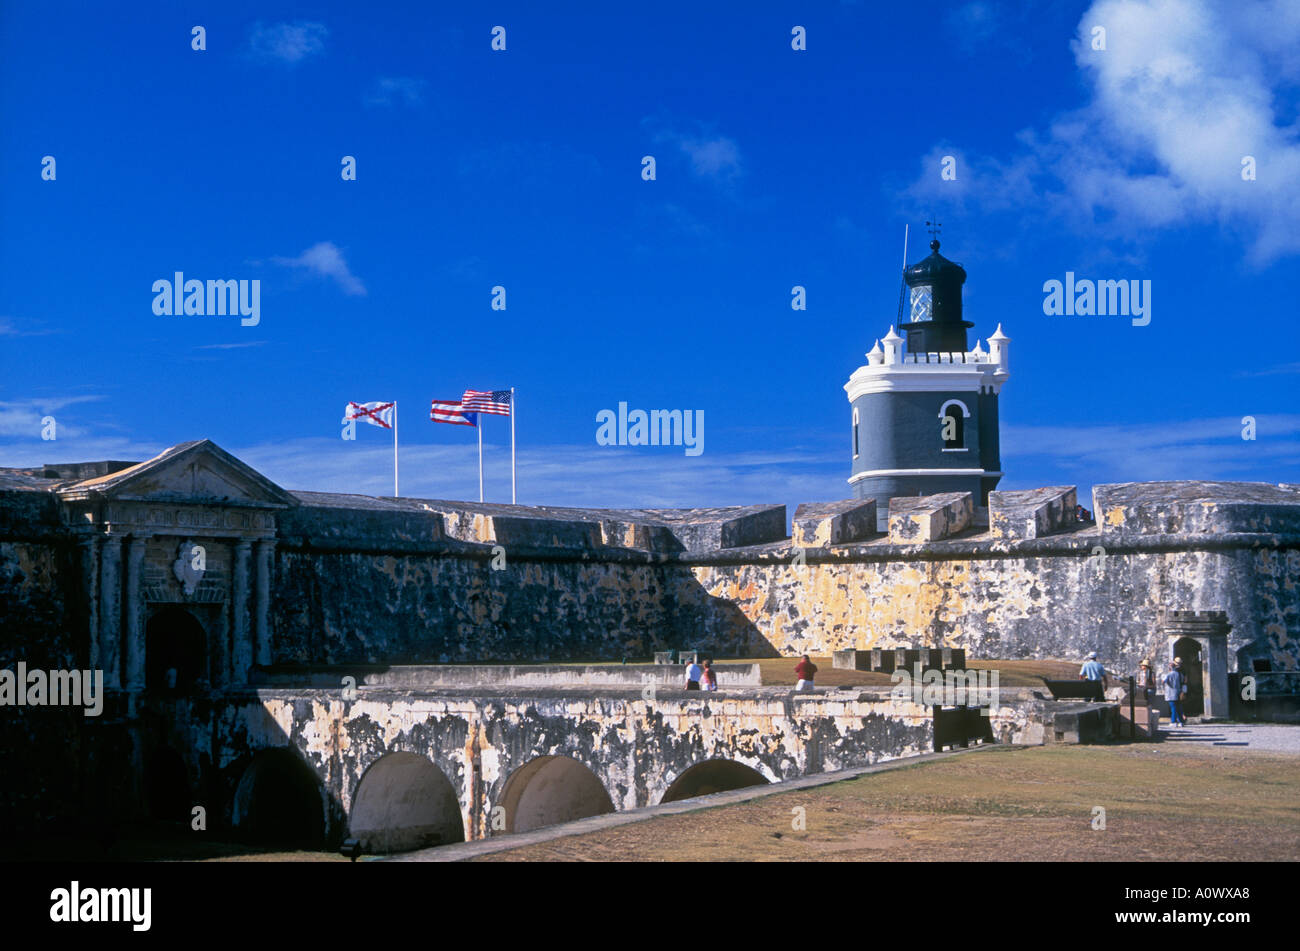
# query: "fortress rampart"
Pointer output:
{"type": "Point", "coordinates": [360, 580]}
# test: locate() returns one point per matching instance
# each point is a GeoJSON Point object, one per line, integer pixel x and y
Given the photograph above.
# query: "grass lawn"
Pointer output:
{"type": "Point", "coordinates": [1162, 801]}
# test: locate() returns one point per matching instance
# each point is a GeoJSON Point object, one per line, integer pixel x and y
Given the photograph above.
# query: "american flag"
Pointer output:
{"type": "Point", "coordinates": [494, 402]}
{"type": "Point", "coordinates": [376, 414]}
{"type": "Point", "coordinates": [450, 411]}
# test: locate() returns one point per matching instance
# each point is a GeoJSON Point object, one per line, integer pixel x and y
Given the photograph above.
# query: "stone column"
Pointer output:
{"type": "Point", "coordinates": [241, 646]}
{"type": "Point", "coordinates": [89, 546]}
{"type": "Point", "coordinates": [110, 611]}
{"type": "Point", "coordinates": [262, 600]}
{"type": "Point", "coordinates": [133, 614]}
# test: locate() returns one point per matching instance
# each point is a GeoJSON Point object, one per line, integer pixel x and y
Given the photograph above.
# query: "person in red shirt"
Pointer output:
{"type": "Point", "coordinates": [710, 678]}
{"type": "Point", "coordinates": [805, 670]}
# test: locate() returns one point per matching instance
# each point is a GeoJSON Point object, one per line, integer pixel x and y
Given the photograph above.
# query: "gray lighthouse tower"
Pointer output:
{"type": "Point", "coordinates": [925, 417]}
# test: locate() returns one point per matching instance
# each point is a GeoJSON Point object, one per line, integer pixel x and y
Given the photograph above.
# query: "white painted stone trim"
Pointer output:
{"type": "Point", "coordinates": [872, 473]}
{"type": "Point", "coordinates": [943, 411]}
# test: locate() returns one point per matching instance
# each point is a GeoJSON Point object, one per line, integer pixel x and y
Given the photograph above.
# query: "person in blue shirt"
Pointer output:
{"type": "Point", "coordinates": [1092, 670]}
{"type": "Point", "coordinates": [1175, 684]}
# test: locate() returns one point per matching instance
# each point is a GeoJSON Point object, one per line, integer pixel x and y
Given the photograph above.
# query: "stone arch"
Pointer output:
{"type": "Point", "coordinates": [402, 802]}
{"type": "Point", "coordinates": [713, 775]}
{"type": "Point", "coordinates": [280, 801]}
{"type": "Point", "coordinates": [549, 790]}
{"type": "Point", "coordinates": [174, 639]}
{"type": "Point", "coordinates": [1189, 649]}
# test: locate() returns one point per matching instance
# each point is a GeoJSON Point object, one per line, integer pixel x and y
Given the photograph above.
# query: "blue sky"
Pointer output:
{"type": "Point", "coordinates": [522, 168]}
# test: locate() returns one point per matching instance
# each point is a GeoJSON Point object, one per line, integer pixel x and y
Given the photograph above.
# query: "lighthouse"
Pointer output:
{"type": "Point", "coordinates": [925, 407]}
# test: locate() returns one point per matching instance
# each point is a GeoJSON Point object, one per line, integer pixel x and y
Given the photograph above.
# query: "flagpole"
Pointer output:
{"type": "Point", "coordinates": [478, 424]}
{"type": "Point", "coordinates": [512, 445]}
{"type": "Point", "coordinates": [394, 448]}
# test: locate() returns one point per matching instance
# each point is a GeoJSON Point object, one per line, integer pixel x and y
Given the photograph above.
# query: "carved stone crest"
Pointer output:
{"type": "Point", "coordinates": [190, 563]}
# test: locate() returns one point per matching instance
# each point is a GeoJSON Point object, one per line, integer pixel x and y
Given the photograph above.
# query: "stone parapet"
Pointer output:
{"type": "Point", "coordinates": [1032, 513]}
{"type": "Point", "coordinates": [929, 518]}
{"type": "Point", "coordinates": [822, 524]}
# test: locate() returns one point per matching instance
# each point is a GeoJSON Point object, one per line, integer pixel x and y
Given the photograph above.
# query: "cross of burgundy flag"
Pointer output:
{"type": "Point", "coordinates": [376, 414]}
{"type": "Point", "coordinates": [451, 411]}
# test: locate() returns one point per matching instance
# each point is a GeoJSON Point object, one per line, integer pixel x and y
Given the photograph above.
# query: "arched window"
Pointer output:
{"type": "Point", "coordinates": [952, 424]}
{"type": "Point", "coordinates": [855, 433]}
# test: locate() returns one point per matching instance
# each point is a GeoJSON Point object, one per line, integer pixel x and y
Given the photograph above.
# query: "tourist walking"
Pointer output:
{"type": "Point", "coordinates": [1175, 690]}
{"type": "Point", "coordinates": [1092, 670]}
{"type": "Point", "coordinates": [710, 679]}
{"type": "Point", "coordinates": [693, 674]}
{"type": "Point", "coordinates": [805, 670]}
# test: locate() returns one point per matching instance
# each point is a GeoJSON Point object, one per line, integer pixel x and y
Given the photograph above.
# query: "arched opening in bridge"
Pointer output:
{"type": "Point", "coordinates": [550, 790]}
{"type": "Point", "coordinates": [280, 802]}
{"type": "Point", "coordinates": [1189, 649]}
{"type": "Point", "coordinates": [174, 650]}
{"type": "Point", "coordinates": [715, 775]}
{"type": "Point", "coordinates": [405, 802]}
{"type": "Point", "coordinates": [167, 787]}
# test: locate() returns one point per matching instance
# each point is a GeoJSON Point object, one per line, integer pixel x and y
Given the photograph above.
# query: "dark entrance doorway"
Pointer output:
{"type": "Point", "coordinates": [1189, 651]}
{"type": "Point", "coordinates": [280, 802]}
{"type": "Point", "coordinates": [167, 789]}
{"type": "Point", "coordinates": [174, 650]}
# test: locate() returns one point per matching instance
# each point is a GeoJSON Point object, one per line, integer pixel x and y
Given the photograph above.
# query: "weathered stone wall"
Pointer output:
{"type": "Point", "coordinates": [348, 608]}
{"type": "Point", "coordinates": [1040, 599]}
{"type": "Point", "coordinates": [635, 747]}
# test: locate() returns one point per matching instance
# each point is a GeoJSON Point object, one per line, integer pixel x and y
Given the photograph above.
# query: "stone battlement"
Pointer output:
{"type": "Point", "coordinates": [87, 565]}
{"type": "Point", "coordinates": [1125, 512]}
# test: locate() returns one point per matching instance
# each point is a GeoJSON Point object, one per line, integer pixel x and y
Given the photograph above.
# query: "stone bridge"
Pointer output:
{"type": "Point", "coordinates": [403, 768]}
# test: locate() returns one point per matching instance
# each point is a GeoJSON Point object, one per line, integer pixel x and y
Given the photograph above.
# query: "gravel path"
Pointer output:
{"type": "Point", "coordinates": [1270, 738]}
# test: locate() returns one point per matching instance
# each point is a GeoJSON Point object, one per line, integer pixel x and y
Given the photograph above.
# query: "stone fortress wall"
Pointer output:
{"type": "Point", "coordinates": [358, 580]}
{"type": "Point", "coordinates": [90, 559]}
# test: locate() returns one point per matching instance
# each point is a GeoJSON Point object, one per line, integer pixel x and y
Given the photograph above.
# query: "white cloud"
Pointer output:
{"type": "Point", "coordinates": [711, 155]}
{"type": "Point", "coordinates": [396, 90]}
{"type": "Point", "coordinates": [11, 328]}
{"type": "Point", "coordinates": [22, 418]}
{"type": "Point", "coordinates": [579, 476]}
{"type": "Point", "coordinates": [287, 42]}
{"type": "Point", "coordinates": [1211, 449]}
{"type": "Point", "coordinates": [230, 346]}
{"type": "Point", "coordinates": [1183, 91]}
{"type": "Point", "coordinates": [326, 260]}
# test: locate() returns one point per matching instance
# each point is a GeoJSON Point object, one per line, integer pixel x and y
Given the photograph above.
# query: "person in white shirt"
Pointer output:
{"type": "Point", "coordinates": [693, 673]}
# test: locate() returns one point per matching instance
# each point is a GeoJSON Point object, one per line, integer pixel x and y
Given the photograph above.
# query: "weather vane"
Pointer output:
{"type": "Point", "coordinates": [933, 227]}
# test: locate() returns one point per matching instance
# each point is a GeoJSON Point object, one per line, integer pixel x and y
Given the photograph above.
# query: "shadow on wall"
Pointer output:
{"type": "Point", "coordinates": [715, 625]}
{"type": "Point", "coordinates": [357, 608]}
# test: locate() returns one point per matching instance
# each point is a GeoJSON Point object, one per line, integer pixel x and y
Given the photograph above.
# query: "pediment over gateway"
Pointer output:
{"type": "Point", "coordinates": [199, 471]}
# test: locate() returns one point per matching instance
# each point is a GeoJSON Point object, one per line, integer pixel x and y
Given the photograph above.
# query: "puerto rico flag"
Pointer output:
{"type": "Point", "coordinates": [376, 414]}
{"type": "Point", "coordinates": [451, 411]}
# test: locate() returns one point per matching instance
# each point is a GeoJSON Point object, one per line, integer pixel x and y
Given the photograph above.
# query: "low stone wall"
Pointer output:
{"type": "Point", "coordinates": [498, 676]}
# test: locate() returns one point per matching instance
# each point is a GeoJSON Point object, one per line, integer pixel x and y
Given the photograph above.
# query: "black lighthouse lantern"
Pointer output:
{"type": "Point", "coordinates": [932, 319]}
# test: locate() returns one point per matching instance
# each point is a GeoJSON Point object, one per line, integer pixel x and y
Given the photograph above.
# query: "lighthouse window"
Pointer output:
{"type": "Point", "coordinates": [855, 434]}
{"type": "Point", "coordinates": [922, 303]}
{"type": "Point", "coordinates": [952, 424]}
